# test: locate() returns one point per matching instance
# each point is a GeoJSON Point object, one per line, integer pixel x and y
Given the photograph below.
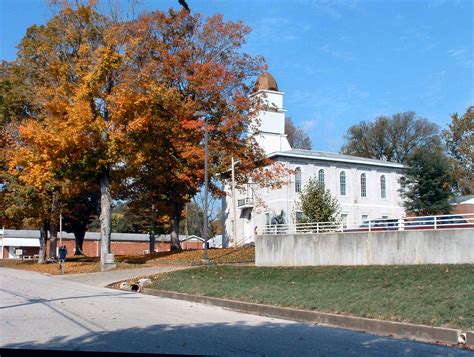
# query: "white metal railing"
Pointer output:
{"type": "Point", "coordinates": [374, 225]}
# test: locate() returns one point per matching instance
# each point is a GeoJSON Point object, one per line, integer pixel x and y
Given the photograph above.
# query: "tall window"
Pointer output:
{"type": "Point", "coordinates": [342, 183]}
{"type": "Point", "coordinates": [363, 185]}
{"type": "Point", "coordinates": [344, 220]}
{"type": "Point", "coordinates": [321, 177]}
{"type": "Point", "coordinates": [267, 218]}
{"type": "Point", "coordinates": [383, 187]}
{"type": "Point", "coordinates": [297, 179]}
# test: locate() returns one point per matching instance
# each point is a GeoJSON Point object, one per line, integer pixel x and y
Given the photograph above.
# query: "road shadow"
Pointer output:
{"type": "Point", "coordinates": [239, 339]}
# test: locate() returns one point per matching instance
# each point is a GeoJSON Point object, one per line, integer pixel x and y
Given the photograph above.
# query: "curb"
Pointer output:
{"type": "Point", "coordinates": [379, 327]}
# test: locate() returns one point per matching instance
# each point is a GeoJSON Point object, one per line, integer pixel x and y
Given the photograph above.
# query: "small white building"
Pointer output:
{"type": "Point", "coordinates": [365, 188]}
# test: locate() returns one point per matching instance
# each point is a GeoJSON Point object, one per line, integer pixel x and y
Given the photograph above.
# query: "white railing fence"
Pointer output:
{"type": "Point", "coordinates": [374, 225]}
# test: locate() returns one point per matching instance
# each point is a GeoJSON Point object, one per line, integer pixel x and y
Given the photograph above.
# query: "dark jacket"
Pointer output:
{"type": "Point", "coordinates": [62, 253]}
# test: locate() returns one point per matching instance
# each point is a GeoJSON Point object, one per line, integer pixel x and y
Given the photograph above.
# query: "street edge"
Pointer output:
{"type": "Point", "coordinates": [379, 327]}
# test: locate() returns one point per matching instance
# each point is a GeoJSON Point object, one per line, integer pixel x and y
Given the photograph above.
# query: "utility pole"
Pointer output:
{"type": "Point", "coordinates": [234, 206]}
{"type": "Point", "coordinates": [60, 228]}
{"type": "Point", "coordinates": [186, 225]}
{"type": "Point", "coordinates": [206, 184]}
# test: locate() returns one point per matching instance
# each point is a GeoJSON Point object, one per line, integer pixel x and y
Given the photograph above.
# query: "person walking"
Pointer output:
{"type": "Point", "coordinates": [62, 258]}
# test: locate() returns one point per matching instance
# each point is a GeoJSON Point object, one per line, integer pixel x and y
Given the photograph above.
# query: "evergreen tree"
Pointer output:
{"type": "Point", "coordinates": [317, 203]}
{"type": "Point", "coordinates": [428, 183]}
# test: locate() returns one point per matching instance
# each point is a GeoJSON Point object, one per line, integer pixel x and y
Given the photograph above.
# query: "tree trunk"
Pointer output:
{"type": "Point", "coordinates": [105, 216]}
{"type": "Point", "coordinates": [42, 241]}
{"type": "Point", "coordinates": [53, 227]}
{"type": "Point", "coordinates": [53, 234]}
{"type": "Point", "coordinates": [174, 241]}
{"type": "Point", "coordinates": [79, 234]}
{"type": "Point", "coordinates": [152, 229]}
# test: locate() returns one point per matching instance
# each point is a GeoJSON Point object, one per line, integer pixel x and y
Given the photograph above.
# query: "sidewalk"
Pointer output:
{"type": "Point", "coordinates": [106, 278]}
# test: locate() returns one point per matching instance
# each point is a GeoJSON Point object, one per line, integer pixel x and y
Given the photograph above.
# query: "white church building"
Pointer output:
{"type": "Point", "coordinates": [365, 188]}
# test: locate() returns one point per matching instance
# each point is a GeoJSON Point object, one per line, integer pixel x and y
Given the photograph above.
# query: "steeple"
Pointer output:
{"type": "Point", "coordinates": [266, 82]}
{"type": "Point", "coordinates": [272, 136]}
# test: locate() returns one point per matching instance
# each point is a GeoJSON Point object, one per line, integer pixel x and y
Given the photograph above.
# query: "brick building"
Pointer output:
{"type": "Point", "coordinates": [27, 242]}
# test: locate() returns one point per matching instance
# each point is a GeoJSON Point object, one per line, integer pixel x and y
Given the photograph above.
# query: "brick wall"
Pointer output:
{"type": "Point", "coordinates": [92, 248]}
{"type": "Point", "coordinates": [463, 209]}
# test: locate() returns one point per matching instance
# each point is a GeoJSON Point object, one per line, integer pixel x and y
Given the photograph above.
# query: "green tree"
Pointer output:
{"type": "Point", "coordinates": [459, 138]}
{"type": "Point", "coordinates": [391, 138]}
{"type": "Point", "coordinates": [317, 203]}
{"type": "Point", "coordinates": [428, 183]}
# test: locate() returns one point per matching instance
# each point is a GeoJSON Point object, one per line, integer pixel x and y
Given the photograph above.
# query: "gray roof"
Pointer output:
{"type": "Point", "coordinates": [120, 237]}
{"type": "Point", "coordinates": [461, 199]}
{"type": "Point", "coordinates": [332, 156]}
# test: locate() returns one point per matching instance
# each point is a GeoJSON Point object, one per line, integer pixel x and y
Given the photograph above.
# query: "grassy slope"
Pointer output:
{"type": "Point", "coordinates": [438, 295]}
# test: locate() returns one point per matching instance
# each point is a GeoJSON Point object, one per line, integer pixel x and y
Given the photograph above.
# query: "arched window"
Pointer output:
{"type": "Point", "coordinates": [383, 187]}
{"type": "Point", "coordinates": [321, 177]}
{"type": "Point", "coordinates": [297, 179]}
{"type": "Point", "coordinates": [342, 183]}
{"type": "Point", "coordinates": [363, 185]}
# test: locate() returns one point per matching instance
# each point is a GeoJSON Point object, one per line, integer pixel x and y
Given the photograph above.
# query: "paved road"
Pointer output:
{"type": "Point", "coordinates": [39, 311]}
{"type": "Point", "coordinates": [103, 279]}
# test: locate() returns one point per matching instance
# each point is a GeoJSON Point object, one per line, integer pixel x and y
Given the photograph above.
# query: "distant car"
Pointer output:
{"type": "Point", "coordinates": [380, 224]}
{"type": "Point", "coordinates": [453, 221]}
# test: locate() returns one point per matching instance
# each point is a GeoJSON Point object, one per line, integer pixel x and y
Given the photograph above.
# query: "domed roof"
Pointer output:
{"type": "Point", "coordinates": [265, 82]}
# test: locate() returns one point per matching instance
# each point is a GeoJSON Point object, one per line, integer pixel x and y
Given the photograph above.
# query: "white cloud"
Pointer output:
{"type": "Point", "coordinates": [332, 8]}
{"type": "Point", "coordinates": [343, 55]}
{"type": "Point", "coordinates": [432, 92]}
{"type": "Point", "coordinates": [418, 39]}
{"type": "Point", "coordinates": [462, 56]}
{"type": "Point", "coordinates": [276, 29]}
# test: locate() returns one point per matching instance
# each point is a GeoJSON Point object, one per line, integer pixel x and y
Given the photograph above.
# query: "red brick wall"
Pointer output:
{"type": "Point", "coordinates": [464, 209]}
{"type": "Point", "coordinates": [92, 248]}
{"type": "Point", "coordinates": [27, 251]}
{"type": "Point", "coordinates": [30, 251]}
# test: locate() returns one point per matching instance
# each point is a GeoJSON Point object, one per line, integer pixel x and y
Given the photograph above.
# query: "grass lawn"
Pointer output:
{"type": "Point", "coordinates": [439, 295]}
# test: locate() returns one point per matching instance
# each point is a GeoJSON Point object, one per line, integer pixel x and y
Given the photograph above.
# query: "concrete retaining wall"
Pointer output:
{"type": "Point", "coordinates": [453, 246]}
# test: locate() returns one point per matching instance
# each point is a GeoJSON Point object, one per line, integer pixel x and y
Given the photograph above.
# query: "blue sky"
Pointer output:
{"type": "Point", "coordinates": [338, 62]}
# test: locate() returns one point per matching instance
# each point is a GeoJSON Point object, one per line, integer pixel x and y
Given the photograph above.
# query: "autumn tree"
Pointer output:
{"type": "Point", "coordinates": [391, 138]}
{"type": "Point", "coordinates": [428, 183]}
{"type": "Point", "coordinates": [182, 72]}
{"type": "Point", "coordinates": [78, 206]}
{"type": "Point", "coordinates": [26, 205]}
{"type": "Point", "coordinates": [459, 138]}
{"type": "Point", "coordinates": [297, 138]}
{"type": "Point", "coordinates": [71, 63]}
{"type": "Point", "coordinates": [127, 101]}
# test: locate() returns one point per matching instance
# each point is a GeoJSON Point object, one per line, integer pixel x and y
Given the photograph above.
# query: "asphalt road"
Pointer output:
{"type": "Point", "coordinates": [44, 312]}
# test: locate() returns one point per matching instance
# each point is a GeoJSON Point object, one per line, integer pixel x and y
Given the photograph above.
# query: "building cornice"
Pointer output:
{"type": "Point", "coordinates": [312, 155]}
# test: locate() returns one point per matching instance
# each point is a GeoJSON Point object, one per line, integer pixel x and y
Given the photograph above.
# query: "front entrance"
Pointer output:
{"type": "Point", "coordinates": [247, 226]}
